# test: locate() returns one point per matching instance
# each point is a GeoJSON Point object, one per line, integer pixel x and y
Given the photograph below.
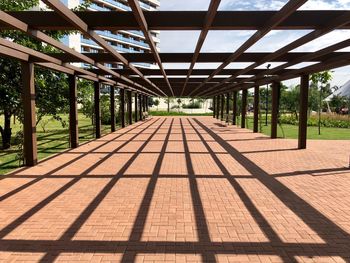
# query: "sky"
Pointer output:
{"type": "Point", "coordinates": [229, 41]}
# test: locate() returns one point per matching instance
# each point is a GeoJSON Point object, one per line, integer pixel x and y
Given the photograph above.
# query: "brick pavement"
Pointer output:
{"type": "Point", "coordinates": [181, 189]}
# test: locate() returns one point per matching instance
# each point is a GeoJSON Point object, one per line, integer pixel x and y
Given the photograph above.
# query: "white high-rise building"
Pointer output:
{"type": "Point", "coordinates": [125, 41]}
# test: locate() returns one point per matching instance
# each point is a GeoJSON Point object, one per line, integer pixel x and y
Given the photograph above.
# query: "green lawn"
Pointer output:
{"type": "Point", "coordinates": [291, 131]}
{"type": "Point", "coordinates": [176, 113]}
{"type": "Point", "coordinates": [53, 141]}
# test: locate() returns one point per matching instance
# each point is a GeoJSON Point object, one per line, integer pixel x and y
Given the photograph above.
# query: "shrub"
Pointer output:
{"type": "Point", "coordinates": [331, 121]}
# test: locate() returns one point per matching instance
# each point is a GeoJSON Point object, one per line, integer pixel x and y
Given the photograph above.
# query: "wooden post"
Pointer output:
{"type": "Point", "coordinates": [144, 103]}
{"type": "Point", "coordinates": [136, 111]}
{"type": "Point", "coordinates": [214, 106]}
{"type": "Point", "coordinates": [222, 107]}
{"type": "Point", "coordinates": [275, 109]}
{"type": "Point", "coordinates": [122, 107]}
{"type": "Point", "coordinates": [73, 112]}
{"type": "Point", "coordinates": [244, 107]}
{"type": "Point", "coordinates": [140, 104]}
{"type": "Point", "coordinates": [29, 121]}
{"type": "Point", "coordinates": [217, 106]}
{"type": "Point", "coordinates": [129, 106]}
{"type": "Point", "coordinates": [97, 110]}
{"type": "Point", "coordinates": [227, 106]}
{"type": "Point", "coordinates": [303, 104]}
{"type": "Point", "coordinates": [256, 109]}
{"type": "Point", "coordinates": [234, 110]}
{"type": "Point", "coordinates": [112, 105]}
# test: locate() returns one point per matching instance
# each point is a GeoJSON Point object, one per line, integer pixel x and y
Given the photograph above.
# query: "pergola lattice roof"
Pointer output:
{"type": "Point", "coordinates": [183, 82]}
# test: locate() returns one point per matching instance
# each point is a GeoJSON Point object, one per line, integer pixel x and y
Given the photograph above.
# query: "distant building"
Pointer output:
{"type": "Point", "coordinates": [343, 91]}
{"type": "Point", "coordinates": [124, 41]}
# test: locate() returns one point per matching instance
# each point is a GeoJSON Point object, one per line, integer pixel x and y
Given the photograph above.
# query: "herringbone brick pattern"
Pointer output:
{"type": "Point", "coordinates": [181, 189]}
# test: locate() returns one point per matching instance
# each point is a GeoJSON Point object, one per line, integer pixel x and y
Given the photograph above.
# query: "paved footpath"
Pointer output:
{"type": "Point", "coordinates": [184, 189]}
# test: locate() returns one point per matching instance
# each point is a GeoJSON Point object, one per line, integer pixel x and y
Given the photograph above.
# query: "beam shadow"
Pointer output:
{"type": "Point", "coordinates": [331, 233]}
{"type": "Point", "coordinates": [21, 219]}
{"type": "Point", "coordinates": [77, 224]}
{"type": "Point", "coordinates": [25, 186]}
{"type": "Point", "coordinates": [140, 221]}
{"type": "Point", "coordinates": [248, 203]}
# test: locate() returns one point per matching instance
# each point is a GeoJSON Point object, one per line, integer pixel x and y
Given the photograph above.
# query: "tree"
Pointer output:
{"type": "Point", "coordinates": [290, 99]}
{"type": "Point", "coordinates": [179, 103]}
{"type": "Point", "coordinates": [50, 87]}
{"type": "Point", "coordinates": [86, 98]}
{"type": "Point", "coordinates": [168, 100]}
{"type": "Point", "coordinates": [156, 103]}
{"type": "Point", "coordinates": [323, 78]}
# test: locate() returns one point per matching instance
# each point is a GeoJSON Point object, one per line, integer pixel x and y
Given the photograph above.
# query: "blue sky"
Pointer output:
{"type": "Point", "coordinates": [229, 41]}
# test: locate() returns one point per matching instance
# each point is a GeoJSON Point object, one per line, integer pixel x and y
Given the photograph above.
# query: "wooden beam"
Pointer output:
{"type": "Point", "coordinates": [141, 20]}
{"type": "Point", "coordinates": [177, 20]}
{"type": "Point", "coordinates": [73, 112]}
{"type": "Point", "coordinates": [29, 116]}
{"type": "Point", "coordinates": [209, 18]}
{"type": "Point", "coordinates": [266, 27]}
{"type": "Point", "coordinates": [336, 23]}
{"type": "Point", "coordinates": [80, 25]}
{"type": "Point", "coordinates": [11, 53]}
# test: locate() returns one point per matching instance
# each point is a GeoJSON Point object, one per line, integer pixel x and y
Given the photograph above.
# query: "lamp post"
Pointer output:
{"type": "Point", "coordinates": [267, 97]}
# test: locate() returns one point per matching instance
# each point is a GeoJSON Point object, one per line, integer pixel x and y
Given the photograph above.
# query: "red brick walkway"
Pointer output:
{"type": "Point", "coordinates": [181, 189]}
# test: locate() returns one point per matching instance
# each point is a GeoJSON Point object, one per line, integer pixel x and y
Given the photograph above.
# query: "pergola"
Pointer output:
{"type": "Point", "coordinates": [211, 83]}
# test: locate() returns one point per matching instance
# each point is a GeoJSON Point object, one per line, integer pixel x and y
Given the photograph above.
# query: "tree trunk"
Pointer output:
{"type": "Point", "coordinates": [168, 105]}
{"type": "Point", "coordinates": [6, 131]}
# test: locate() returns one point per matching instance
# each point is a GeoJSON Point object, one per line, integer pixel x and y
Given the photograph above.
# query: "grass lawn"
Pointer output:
{"type": "Point", "coordinates": [54, 140]}
{"type": "Point", "coordinates": [176, 113]}
{"type": "Point", "coordinates": [291, 131]}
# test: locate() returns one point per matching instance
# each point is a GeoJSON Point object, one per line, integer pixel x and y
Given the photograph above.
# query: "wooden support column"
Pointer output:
{"type": "Point", "coordinates": [303, 104]}
{"type": "Point", "coordinates": [97, 110]}
{"type": "Point", "coordinates": [136, 111]}
{"type": "Point", "coordinates": [256, 109]}
{"type": "Point", "coordinates": [227, 106]}
{"type": "Point", "coordinates": [122, 107]}
{"type": "Point", "coordinates": [112, 109]}
{"type": "Point", "coordinates": [140, 108]}
{"type": "Point", "coordinates": [214, 106]}
{"type": "Point", "coordinates": [144, 103]}
{"type": "Point", "coordinates": [217, 106]}
{"type": "Point", "coordinates": [73, 112]}
{"type": "Point", "coordinates": [244, 107]}
{"type": "Point", "coordinates": [234, 110]}
{"type": "Point", "coordinates": [222, 107]}
{"type": "Point", "coordinates": [275, 109]}
{"type": "Point", "coordinates": [129, 106]}
{"type": "Point", "coordinates": [29, 121]}
{"type": "Point", "coordinates": [147, 102]}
